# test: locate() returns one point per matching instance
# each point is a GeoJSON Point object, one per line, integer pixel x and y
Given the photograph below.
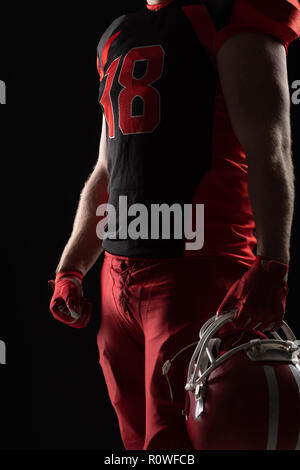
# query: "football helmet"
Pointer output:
{"type": "Point", "coordinates": [246, 396]}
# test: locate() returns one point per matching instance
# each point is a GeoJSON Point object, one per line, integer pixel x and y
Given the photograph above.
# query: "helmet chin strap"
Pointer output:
{"type": "Point", "coordinates": [203, 361]}
{"type": "Point", "coordinates": [168, 364]}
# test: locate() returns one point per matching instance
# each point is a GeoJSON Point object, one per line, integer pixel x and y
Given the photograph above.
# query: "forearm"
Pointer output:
{"type": "Point", "coordinates": [271, 192]}
{"type": "Point", "coordinates": [84, 247]}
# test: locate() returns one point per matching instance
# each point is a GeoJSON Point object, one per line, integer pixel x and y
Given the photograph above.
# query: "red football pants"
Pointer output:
{"type": "Point", "coordinates": [150, 309]}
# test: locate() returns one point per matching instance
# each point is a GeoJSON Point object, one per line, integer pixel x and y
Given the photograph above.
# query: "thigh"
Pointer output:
{"type": "Point", "coordinates": [183, 295]}
{"type": "Point", "coordinates": [121, 355]}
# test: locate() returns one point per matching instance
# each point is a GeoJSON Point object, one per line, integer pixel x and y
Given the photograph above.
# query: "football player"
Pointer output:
{"type": "Point", "coordinates": [196, 103]}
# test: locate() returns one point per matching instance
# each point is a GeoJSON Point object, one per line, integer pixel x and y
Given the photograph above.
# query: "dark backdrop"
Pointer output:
{"type": "Point", "coordinates": [53, 395]}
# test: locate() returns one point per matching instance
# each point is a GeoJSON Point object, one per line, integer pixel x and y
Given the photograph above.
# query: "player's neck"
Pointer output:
{"type": "Point", "coordinates": [154, 2]}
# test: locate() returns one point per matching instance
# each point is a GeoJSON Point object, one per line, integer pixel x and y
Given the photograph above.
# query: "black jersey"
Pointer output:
{"type": "Point", "coordinates": [162, 103]}
{"type": "Point", "coordinates": [157, 95]}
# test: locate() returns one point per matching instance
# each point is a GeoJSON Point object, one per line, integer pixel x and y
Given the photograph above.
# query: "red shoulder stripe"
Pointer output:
{"type": "Point", "coordinates": [105, 53]}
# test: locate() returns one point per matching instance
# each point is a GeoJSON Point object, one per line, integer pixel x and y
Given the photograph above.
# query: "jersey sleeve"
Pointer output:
{"type": "Point", "coordinates": [279, 18]}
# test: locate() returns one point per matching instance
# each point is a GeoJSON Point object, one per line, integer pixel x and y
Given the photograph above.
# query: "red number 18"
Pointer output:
{"type": "Point", "coordinates": [140, 88]}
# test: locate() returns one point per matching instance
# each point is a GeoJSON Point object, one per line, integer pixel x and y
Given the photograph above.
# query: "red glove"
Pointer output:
{"type": "Point", "coordinates": [67, 304]}
{"type": "Point", "coordinates": [259, 298]}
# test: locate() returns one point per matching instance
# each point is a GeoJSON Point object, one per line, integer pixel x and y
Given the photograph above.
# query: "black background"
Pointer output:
{"type": "Point", "coordinates": [52, 391]}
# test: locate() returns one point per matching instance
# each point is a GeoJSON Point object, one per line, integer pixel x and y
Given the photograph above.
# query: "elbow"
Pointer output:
{"type": "Point", "coordinates": [270, 159]}
{"type": "Point", "coordinates": [270, 149]}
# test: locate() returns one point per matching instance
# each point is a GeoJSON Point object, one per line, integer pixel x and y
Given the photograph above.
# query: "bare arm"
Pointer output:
{"type": "Point", "coordinates": [84, 247]}
{"type": "Point", "coordinates": [253, 74]}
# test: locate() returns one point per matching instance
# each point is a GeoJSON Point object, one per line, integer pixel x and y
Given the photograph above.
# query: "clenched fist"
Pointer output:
{"type": "Point", "coordinates": [68, 304]}
{"type": "Point", "coordinates": [258, 299]}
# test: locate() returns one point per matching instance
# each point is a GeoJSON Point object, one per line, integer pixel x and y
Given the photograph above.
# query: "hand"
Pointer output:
{"type": "Point", "coordinates": [68, 304]}
{"type": "Point", "coordinates": [258, 299]}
